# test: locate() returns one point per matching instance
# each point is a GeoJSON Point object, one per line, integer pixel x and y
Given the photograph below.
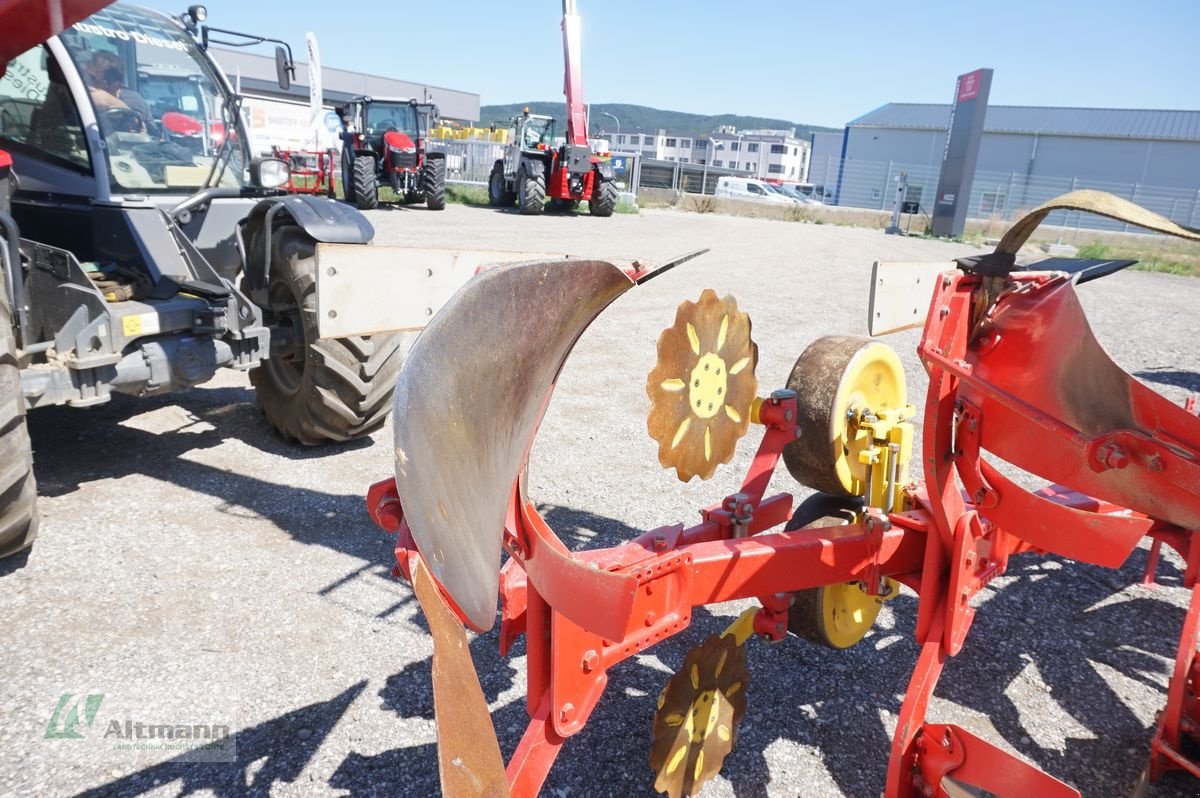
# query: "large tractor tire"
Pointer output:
{"type": "Point", "coordinates": [604, 197]}
{"type": "Point", "coordinates": [498, 194]}
{"type": "Point", "coordinates": [433, 183]}
{"type": "Point", "coordinates": [531, 189]}
{"type": "Point", "coordinates": [366, 189]}
{"type": "Point", "coordinates": [320, 390]}
{"type": "Point", "coordinates": [348, 175]}
{"type": "Point", "coordinates": [18, 491]}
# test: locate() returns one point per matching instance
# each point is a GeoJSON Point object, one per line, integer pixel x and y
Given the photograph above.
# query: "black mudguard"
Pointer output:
{"type": "Point", "coordinates": [324, 219]}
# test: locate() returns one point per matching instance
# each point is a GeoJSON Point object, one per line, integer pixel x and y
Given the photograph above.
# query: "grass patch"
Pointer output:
{"type": "Point", "coordinates": [626, 207]}
{"type": "Point", "coordinates": [705, 203]}
{"type": "Point", "coordinates": [466, 195]}
{"type": "Point", "coordinates": [1097, 250]}
{"type": "Point", "coordinates": [1146, 261]}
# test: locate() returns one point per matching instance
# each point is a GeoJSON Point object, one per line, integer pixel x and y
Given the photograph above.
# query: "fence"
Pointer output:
{"type": "Point", "coordinates": [468, 160]}
{"type": "Point", "coordinates": [997, 195]}
{"type": "Point", "coordinates": [867, 184]}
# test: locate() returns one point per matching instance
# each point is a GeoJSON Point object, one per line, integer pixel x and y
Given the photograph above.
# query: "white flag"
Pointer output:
{"type": "Point", "coordinates": [315, 97]}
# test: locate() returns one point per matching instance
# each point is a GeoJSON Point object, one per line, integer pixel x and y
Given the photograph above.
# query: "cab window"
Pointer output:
{"type": "Point", "coordinates": [36, 110]}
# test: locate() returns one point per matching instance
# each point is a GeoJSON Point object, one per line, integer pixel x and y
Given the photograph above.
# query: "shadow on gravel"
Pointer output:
{"type": "Point", "coordinates": [271, 753]}
{"type": "Point", "coordinates": [1054, 662]}
{"type": "Point", "coordinates": [1188, 380]}
{"type": "Point", "coordinates": [72, 447]}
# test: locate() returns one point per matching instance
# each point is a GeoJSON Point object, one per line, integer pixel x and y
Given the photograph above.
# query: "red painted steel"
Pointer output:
{"type": "Point", "coordinates": [1123, 464]}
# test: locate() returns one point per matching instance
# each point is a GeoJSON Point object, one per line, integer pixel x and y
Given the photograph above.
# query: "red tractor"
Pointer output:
{"type": "Point", "coordinates": [385, 142]}
{"type": "Point", "coordinates": [532, 168]}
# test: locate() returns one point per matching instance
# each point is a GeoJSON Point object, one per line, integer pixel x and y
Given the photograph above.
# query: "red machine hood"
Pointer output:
{"type": "Point", "coordinates": [401, 141]}
{"type": "Point", "coordinates": [24, 23]}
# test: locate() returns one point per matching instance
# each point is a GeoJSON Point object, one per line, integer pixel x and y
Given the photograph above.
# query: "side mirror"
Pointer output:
{"type": "Point", "coordinates": [283, 68]}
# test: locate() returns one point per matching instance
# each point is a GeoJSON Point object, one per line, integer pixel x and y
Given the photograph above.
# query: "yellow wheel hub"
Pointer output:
{"type": "Point", "coordinates": [841, 382]}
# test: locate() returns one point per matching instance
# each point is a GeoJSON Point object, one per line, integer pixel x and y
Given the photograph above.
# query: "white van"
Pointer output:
{"type": "Point", "coordinates": [747, 188]}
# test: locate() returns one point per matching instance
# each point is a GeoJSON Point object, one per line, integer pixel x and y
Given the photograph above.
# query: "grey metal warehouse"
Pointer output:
{"type": "Point", "coordinates": [1027, 155]}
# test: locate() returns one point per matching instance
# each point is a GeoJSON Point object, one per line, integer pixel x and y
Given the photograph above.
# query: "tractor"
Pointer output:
{"type": "Point", "coordinates": [386, 142]}
{"type": "Point", "coordinates": [533, 169]}
{"type": "Point", "coordinates": [167, 252]}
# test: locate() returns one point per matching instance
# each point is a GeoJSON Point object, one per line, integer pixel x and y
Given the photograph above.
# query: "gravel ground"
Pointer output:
{"type": "Point", "coordinates": [194, 569]}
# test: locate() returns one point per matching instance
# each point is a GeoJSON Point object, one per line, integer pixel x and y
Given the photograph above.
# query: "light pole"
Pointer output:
{"type": "Point", "coordinates": [618, 121]}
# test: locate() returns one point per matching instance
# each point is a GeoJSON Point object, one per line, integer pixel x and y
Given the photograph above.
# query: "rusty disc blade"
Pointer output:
{"type": "Point", "coordinates": [469, 760]}
{"type": "Point", "coordinates": [698, 714]}
{"type": "Point", "coordinates": [702, 386]}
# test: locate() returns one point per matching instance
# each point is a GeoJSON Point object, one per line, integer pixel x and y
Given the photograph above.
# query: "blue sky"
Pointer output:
{"type": "Point", "coordinates": [816, 62]}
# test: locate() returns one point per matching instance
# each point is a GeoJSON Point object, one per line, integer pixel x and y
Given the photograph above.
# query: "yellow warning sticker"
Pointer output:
{"type": "Point", "coordinates": [139, 324]}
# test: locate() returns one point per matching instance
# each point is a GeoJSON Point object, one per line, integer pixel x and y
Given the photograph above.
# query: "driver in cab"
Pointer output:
{"type": "Point", "coordinates": [104, 77]}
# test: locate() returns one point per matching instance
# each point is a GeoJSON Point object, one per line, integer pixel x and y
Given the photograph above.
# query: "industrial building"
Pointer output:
{"type": "Point", "coordinates": [1027, 155]}
{"type": "Point", "coordinates": [279, 117]}
{"type": "Point", "coordinates": [767, 154]}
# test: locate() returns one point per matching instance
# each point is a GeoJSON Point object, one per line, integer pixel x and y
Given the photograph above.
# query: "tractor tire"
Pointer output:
{"type": "Point", "coordinates": [531, 191]}
{"type": "Point", "coordinates": [366, 189]}
{"type": "Point", "coordinates": [433, 184]}
{"type": "Point", "coordinates": [604, 197]}
{"type": "Point", "coordinates": [347, 177]}
{"type": "Point", "coordinates": [18, 491]}
{"type": "Point", "coordinates": [321, 390]}
{"type": "Point", "coordinates": [498, 194]}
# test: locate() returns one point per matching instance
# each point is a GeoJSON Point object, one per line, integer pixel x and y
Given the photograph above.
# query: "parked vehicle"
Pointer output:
{"type": "Point", "coordinates": [145, 248]}
{"type": "Point", "coordinates": [535, 167]}
{"type": "Point", "coordinates": [793, 191]}
{"type": "Point", "coordinates": [385, 143]}
{"type": "Point", "coordinates": [748, 188]}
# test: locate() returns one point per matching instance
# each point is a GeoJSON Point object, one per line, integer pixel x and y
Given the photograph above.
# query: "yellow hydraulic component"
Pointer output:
{"type": "Point", "coordinates": [703, 386]}
{"type": "Point", "coordinates": [695, 726]}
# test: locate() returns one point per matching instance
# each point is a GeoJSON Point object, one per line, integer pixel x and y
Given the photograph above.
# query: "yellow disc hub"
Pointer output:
{"type": "Point", "coordinates": [706, 393]}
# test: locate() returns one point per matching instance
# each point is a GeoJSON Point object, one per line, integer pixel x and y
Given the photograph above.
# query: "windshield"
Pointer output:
{"type": "Point", "coordinates": [382, 117]}
{"type": "Point", "coordinates": [537, 130]}
{"type": "Point", "coordinates": [160, 108]}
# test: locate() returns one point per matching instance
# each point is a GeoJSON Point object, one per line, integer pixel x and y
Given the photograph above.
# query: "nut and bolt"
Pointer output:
{"type": "Point", "coordinates": [660, 542]}
{"type": "Point", "coordinates": [651, 617]}
{"type": "Point", "coordinates": [590, 660]}
{"type": "Point", "coordinates": [1155, 463]}
{"type": "Point", "coordinates": [1113, 456]}
{"type": "Point", "coordinates": [566, 713]}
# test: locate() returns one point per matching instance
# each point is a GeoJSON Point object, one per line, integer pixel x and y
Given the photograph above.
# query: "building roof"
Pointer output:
{"type": "Point", "coordinates": [257, 73]}
{"type": "Point", "coordinates": [1128, 123]}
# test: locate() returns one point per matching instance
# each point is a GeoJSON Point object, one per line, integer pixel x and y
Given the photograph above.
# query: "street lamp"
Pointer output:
{"type": "Point", "coordinates": [618, 121]}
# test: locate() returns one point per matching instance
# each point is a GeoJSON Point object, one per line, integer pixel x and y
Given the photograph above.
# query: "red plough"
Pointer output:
{"type": "Point", "coordinates": [1016, 376]}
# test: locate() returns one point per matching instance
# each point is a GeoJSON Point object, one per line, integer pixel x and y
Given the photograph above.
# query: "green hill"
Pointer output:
{"type": "Point", "coordinates": [640, 118]}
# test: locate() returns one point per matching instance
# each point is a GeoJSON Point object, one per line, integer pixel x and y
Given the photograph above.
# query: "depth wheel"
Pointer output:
{"type": "Point", "coordinates": [836, 377]}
